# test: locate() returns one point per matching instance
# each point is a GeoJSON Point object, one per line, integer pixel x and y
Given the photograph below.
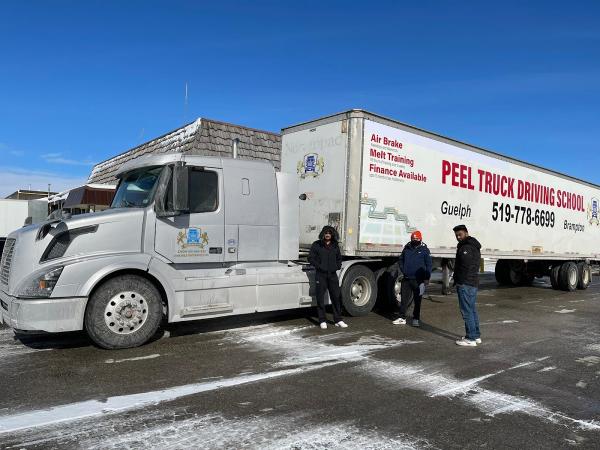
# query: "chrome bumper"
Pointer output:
{"type": "Point", "coordinates": [49, 314]}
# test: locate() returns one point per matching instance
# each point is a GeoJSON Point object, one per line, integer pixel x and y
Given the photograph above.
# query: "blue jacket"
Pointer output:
{"type": "Point", "coordinates": [415, 262]}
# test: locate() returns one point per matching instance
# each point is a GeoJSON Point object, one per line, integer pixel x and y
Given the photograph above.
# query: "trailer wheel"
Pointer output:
{"type": "Point", "coordinates": [389, 285]}
{"type": "Point", "coordinates": [567, 276]}
{"type": "Point", "coordinates": [554, 274]}
{"type": "Point", "coordinates": [359, 291]}
{"type": "Point", "coordinates": [502, 272]}
{"type": "Point", "coordinates": [123, 312]}
{"type": "Point", "coordinates": [584, 272]}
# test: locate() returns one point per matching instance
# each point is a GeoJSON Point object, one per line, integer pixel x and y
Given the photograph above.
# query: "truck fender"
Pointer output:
{"type": "Point", "coordinates": [352, 262]}
{"type": "Point", "coordinates": [122, 262]}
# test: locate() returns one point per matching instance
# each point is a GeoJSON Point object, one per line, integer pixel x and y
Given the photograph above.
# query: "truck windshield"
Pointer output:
{"type": "Point", "coordinates": [136, 188]}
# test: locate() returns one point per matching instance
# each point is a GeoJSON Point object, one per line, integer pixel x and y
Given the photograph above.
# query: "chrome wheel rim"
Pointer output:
{"type": "Point", "coordinates": [586, 276]}
{"type": "Point", "coordinates": [126, 312]}
{"type": "Point", "coordinates": [573, 277]}
{"type": "Point", "coordinates": [360, 291]}
{"type": "Point", "coordinates": [398, 289]}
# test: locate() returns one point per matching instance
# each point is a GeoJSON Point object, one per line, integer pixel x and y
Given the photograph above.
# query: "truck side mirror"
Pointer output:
{"type": "Point", "coordinates": [180, 188]}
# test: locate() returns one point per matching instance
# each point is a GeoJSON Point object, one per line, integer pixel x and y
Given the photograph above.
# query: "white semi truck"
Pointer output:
{"type": "Point", "coordinates": [191, 237]}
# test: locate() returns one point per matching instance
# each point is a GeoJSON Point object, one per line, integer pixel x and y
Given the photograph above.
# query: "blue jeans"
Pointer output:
{"type": "Point", "coordinates": [467, 296]}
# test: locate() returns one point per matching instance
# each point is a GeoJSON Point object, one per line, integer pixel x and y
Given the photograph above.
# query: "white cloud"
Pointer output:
{"type": "Point", "coordinates": [5, 148]}
{"type": "Point", "coordinates": [12, 179]}
{"type": "Point", "coordinates": [58, 158]}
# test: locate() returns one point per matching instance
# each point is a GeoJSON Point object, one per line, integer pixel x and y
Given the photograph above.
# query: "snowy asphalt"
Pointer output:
{"type": "Point", "coordinates": [277, 381]}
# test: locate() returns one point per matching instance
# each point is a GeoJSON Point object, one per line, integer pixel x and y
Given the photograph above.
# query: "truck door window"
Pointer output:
{"type": "Point", "coordinates": [203, 191]}
{"type": "Point", "coordinates": [136, 189]}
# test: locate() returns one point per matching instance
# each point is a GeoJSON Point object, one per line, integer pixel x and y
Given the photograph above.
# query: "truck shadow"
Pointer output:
{"type": "Point", "coordinates": [242, 321]}
{"type": "Point", "coordinates": [46, 341]}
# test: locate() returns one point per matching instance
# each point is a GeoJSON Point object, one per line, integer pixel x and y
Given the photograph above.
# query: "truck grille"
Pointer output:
{"type": "Point", "coordinates": [7, 255]}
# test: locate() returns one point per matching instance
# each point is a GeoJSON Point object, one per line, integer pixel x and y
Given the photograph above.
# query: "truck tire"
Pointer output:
{"type": "Point", "coordinates": [389, 285]}
{"type": "Point", "coordinates": [359, 291]}
{"type": "Point", "coordinates": [584, 278]}
{"type": "Point", "coordinates": [554, 273]}
{"type": "Point", "coordinates": [568, 276]}
{"type": "Point", "coordinates": [123, 312]}
{"type": "Point", "coordinates": [502, 272]}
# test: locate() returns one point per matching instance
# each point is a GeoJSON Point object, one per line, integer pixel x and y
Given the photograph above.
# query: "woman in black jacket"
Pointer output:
{"type": "Point", "coordinates": [326, 258]}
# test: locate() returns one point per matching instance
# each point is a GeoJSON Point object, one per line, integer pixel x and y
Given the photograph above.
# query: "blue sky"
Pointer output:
{"type": "Point", "coordinates": [82, 81]}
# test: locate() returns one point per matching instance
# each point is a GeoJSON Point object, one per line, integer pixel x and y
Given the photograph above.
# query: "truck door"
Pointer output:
{"type": "Point", "coordinates": [197, 237]}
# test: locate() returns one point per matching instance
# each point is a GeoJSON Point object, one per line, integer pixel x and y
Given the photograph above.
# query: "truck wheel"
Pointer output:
{"type": "Point", "coordinates": [554, 273]}
{"type": "Point", "coordinates": [502, 272]}
{"type": "Point", "coordinates": [389, 284]}
{"type": "Point", "coordinates": [124, 312]}
{"type": "Point", "coordinates": [584, 272]}
{"type": "Point", "coordinates": [359, 291]}
{"type": "Point", "coordinates": [567, 276]}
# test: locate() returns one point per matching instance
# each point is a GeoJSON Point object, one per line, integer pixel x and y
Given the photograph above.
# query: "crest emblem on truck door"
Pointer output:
{"type": "Point", "coordinates": [593, 211]}
{"type": "Point", "coordinates": [312, 165]}
{"type": "Point", "coordinates": [192, 242]}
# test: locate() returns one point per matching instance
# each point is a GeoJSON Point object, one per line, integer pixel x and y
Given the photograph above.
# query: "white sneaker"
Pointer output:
{"type": "Point", "coordinates": [341, 324]}
{"type": "Point", "coordinates": [399, 321]}
{"type": "Point", "coordinates": [323, 325]}
{"type": "Point", "coordinates": [478, 340]}
{"type": "Point", "coordinates": [464, 342]}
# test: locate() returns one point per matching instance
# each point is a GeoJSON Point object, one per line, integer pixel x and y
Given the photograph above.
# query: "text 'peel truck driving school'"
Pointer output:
{"type": "Point", "coordinates": [191, 237]}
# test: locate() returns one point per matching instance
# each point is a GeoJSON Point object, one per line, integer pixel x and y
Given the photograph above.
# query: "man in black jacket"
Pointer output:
{"type": "Point", "coordinates": [326, 257]}
{"type": "Point", "coordinates": [415, 264]}
{"type": "Point", "coordinates": [466, 279]}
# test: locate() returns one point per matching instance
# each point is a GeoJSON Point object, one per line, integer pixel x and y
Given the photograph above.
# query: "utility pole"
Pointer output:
{"type": "Point", "coordinates": [185, 103]}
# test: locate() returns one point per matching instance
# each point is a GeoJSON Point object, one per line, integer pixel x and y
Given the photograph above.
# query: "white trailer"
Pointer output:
{"type": "Point", "coordinates": [14, 213]}
{"type": "Point", "coordinates": [376, 180]}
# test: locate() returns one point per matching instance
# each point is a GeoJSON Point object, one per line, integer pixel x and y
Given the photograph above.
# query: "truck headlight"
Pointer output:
{"type": "Point", "coordinates": [41, 284]}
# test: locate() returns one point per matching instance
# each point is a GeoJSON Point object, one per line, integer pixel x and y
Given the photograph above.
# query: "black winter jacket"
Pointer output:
{"type": "Point", "coordinates": [415, 262]}
{"type": "Point", "coordinates": [326, 258]}
{"type": "Point", "coordinates": [466, 266]}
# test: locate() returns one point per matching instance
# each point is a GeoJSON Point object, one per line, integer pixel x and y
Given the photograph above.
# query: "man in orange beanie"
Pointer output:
{"type": "Point", "coordinates": [415, 264]}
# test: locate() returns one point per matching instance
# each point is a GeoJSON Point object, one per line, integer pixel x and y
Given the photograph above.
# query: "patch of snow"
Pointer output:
{"type": "Point", "coordinates": [173, 430]}
{"type": "Point", "coordinates": [589, 360]}
{"type": "Point", "coordinates": [297, 348]}
{"type": "Point", "coordinates": [138, 358]}
{"type": "Point", "coordinates": [434, 383]}
{"type": "Point", "coordinates": [121, 403]}
{"type": "Point", "coordinates": [300, 354]}
{"type": "Point", "coordinates": [565, 311]}
{"type": "Point", "coordinates": [593, 347]}
{"type": "Point", "coordinates": [547, 369]}
{"type": "Point", "coordinates": [500, 322]}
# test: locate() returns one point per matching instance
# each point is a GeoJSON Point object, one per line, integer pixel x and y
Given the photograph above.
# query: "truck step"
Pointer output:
{"type": "Point", "coordinates": [216, 308]}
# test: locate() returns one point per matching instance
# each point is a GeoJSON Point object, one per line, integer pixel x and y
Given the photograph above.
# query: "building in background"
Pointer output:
{"type": "Point", "coordinates": [83, 199]}
{"type": "Point", "coordinates": [202, 137]}
{"type": "Point", "coordinates": [28, 194]}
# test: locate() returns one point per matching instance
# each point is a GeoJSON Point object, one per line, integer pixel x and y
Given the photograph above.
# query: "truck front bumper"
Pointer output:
{"type": "Point", "coordinates": [49, 314]}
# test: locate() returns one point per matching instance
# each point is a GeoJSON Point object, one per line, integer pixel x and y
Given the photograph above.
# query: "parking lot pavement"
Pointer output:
{"type": "Point", "coordinates": [278, 381]}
